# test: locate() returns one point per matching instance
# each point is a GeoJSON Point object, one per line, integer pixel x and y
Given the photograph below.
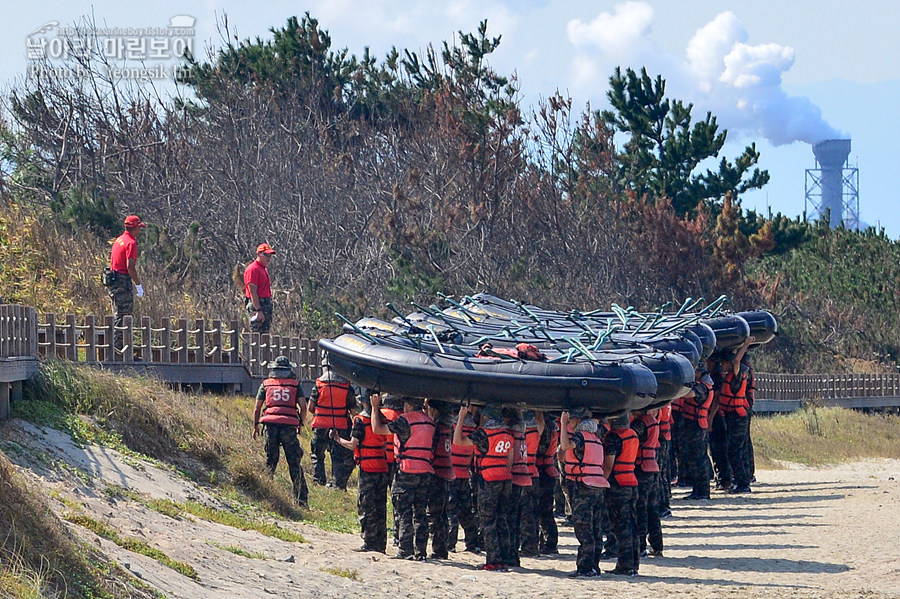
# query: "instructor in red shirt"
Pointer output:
{"type": "Point", "coordinates": [258, 290]}
{"type": "Point", "coordinates": [122, 279]}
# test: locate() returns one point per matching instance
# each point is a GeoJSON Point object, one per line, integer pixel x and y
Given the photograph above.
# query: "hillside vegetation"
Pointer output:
{"type": "Point", "coordinates": [397, 178]}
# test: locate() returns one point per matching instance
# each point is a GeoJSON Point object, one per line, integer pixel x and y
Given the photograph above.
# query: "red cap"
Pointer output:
{"type": "Point", "coordinates": [264, 248]}
{"type": "Point", "coordinates": [133, 222]}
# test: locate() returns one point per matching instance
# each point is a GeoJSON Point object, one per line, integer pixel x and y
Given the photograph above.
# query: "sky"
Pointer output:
{"type": "Point", "coordinates": [783, 74]}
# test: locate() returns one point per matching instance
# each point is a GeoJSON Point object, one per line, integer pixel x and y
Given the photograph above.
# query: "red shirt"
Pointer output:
{"type": "Point", "coordinates": [257, 274]}
{"type": "Point", "coordinates": [124, 247]}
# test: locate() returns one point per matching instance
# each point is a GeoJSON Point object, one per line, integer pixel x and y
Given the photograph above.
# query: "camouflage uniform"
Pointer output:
{"type": "Point", "coordinates": [546, 490]}
{"type": "Point", "coordinates": [437, 517]}
{"type": "Point", "coordinates": [461, 509]}
{"type": "Point", "coordinates": [647, 500]}
{"type": "Point", "coordinates": [620, 501]}
{"type": "Point", "coordinates": [121, 292]}
{"type": "Point", "coordinates": [372, 507]}
{"type": "Point", "coordinates": [694, 455]}
{"type": "Point", "coordinates": [586, 502]}
{"type": "Point", "coordinates": [342, 461]}
{"type": "Point", "coordinates": [493, 499]}
{"type": "Point", "coordinates": [283, 435]}
{"type": "Point", "coordinates": [410, 494]}
{"type": "Point", "coordinates": [265, 304]}
{"type": "Point", "coordinates": [371, 503]}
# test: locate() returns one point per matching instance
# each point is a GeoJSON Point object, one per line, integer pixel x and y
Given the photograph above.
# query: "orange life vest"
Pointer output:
{"type": "Point", "coordinates": [588, 470]}
{"type": "Point", "coordinates": [331, 405]}
{"type": "Point", "coordinates": [697, 408]}
{"type": "Point", "coordinates": [677, 404]}
{"type": "Point", "coordinates": [733, 402]}
{"type": "Point", "coordinates": [521, 475]}
{"type": "Point", "coordinates": [546, 460]}
{"type": "Point", "coordinates": [416, 454]}
{"type": "Point", "coordinates": [443, 462]}
{"type": "Point", "coordinates": [370, 454]}
{"type": "Point", "coordinates": [390, 415]}
{"type": "Point", "coordinates": [494, 464]}
{"type": "Point", "coordinates": [281, 402]}
{"type": "Point", "coordinates": [532, 440]}
{"type": "Point", "coordinates": [461, 455]}
{"type": "Point", "coordinates": [646, 459]}
{"type": "Point", "coordinates": [623, 468]}
{"type": "Point", "coordinates": [665, 422]}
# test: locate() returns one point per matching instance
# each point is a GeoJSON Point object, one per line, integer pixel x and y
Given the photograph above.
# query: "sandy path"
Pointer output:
{"type": "Point", "coordinates": [829, 532]}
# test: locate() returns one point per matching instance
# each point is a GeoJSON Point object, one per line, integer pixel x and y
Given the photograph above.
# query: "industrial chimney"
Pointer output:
{"type": "Point", "coordinates": [832, 192]}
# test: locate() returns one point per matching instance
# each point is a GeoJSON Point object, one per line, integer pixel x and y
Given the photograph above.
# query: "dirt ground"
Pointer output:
{"type": "Point", "coordinates": [829, 532]}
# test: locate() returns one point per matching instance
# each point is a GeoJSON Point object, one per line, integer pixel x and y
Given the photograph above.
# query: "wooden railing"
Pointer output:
{"type": "Point", "coordinates": [170, 342]}
{"type": "Point", "coordinates": [826, 386]}
{"type": "Point", "coordinates": [18, 331]}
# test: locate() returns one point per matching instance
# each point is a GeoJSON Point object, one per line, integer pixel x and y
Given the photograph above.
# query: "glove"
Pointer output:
{"type": "Point", "coordinates": [140, 291]}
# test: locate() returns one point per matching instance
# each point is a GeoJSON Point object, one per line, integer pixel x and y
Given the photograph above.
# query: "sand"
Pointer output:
{"type": "Point", "coordinates": [803, 532]}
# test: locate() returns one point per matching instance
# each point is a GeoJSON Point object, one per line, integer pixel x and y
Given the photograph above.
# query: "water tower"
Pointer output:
{"type": "Point", "coordinates": [833, 186]}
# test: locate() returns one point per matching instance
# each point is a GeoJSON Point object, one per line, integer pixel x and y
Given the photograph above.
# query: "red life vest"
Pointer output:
{"type": "Point", "coordinates": [521, 475]}
{"type": "Point", "coordinates": [370, 454]}
{"type": "Point", "coordinates": [733, 402]}
{"type": "Point", "coordinates": [677, 404]}
{"type": "Point", "coordinates": [494, 464]}
{"type": "Point", "coordinates": [590, 469]}
{"type": "Point", "coordinates": [281, 402]}
{"type": "Point", "coordinates": [546, 460]}
{"type": "Point", "coordinates": [646, 459]}
{"type": "Point", "coordinates": [623, 468]}
{"type": "Point", "coordinates": [390, 415]}
{"type": "Point", "coordinates": [443, 461]}
{"type": "Point", "coordinates": [532, 440]}
{"type": "Point", "coordinates": [461, 455]}
{"type": "Point", "coordinates": [665, 422]}
{"type": "Point", "coordinates": [697, 408]}
{"type": "Point", "coordinates": [331, 405]}
{"type": "Point", "coordinates": [416, 454]}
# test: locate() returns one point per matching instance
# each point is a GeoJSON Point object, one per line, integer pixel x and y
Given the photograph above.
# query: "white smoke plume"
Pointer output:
{"type": "Point", "coordinates": [722, 73]}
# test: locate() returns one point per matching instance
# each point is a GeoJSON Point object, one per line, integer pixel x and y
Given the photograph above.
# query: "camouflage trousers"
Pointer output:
{"type": "Point", "coordinates": [438, 524]}
{"type": "Point", "coordinates": [678, 447]}
{"type": "Point", "coordinates": [372, 508]}
{"type": "Point", "coordinates": [461, 512]}
{"type": "Point", "coordinates": [121, 292]}
{"type": "Point", "coordinates": [342, 462]}
{"type": "Point", "coordinates": [737, 445]}
{"type": "Point", "coordinates": [283, 435]}
{"type": "Point", "coordinates": [647, 508]}
{"type": "Point", "coordinates": [664, 457]}
{"type": "Point", "coordinates": [410, 494]}
{"type": "Point", "coordinates": [718, 449]}
{"type": "Point", "coordinates": [265, 303]}
{"type": "Point", "coordinates": [513, 517]}
{"type": "Point", "coordinates": [586, 503]}
{"type": "Point", "coordinates": [620, 503]}
{"type": "Point", "coordinates": [695, 443]}
{"type": "Point", "coordinates": [493, 504]}
{"type": "Point", "coordinates": [549, 533]}
{"type": "Point", "coordinates": [528, 520]}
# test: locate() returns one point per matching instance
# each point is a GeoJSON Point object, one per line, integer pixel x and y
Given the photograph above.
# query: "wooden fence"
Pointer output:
{"type": "Point", "coordinates": [170, 342]}
{"type": "Point", "coordinates": [18, 352]}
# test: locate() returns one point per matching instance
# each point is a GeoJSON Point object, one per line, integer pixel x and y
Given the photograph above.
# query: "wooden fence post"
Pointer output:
{"type": "Point", "coordinates": [90, 333]}
{"type": "Point", "coordinates": [165, 341]}
{"type": "Point", "coordinates": [182, 341]}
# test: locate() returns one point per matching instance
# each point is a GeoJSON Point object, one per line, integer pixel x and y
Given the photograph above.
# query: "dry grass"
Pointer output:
{"type": "Point", "coordinates": [208, 437]}
{"type": "Point", "coordinates": [820, 436]}
{"type": "Point", "coordinates": [39, 557]}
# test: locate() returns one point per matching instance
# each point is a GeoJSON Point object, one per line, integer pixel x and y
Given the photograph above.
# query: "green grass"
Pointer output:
{"type": "Point", "coordinates": [343, 573]}
{"type": "Point", "coordinates": [820, 436]}
{"type": "Point", "coordinates": [175, 510]}
{"type": "Point", "coordinates": [238, 550]}
{"type": "Point", "coordinates": [131, 544]}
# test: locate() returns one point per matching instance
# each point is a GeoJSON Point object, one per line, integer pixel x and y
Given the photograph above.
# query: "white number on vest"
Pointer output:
{"type": "Point", "coordinates": [281, 394]}
{"type": "Point", "coordinates": [502, 447]}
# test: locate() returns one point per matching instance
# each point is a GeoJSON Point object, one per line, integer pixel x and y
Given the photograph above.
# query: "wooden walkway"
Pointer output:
{"type": "Point", "coordinates": [217, 353]}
